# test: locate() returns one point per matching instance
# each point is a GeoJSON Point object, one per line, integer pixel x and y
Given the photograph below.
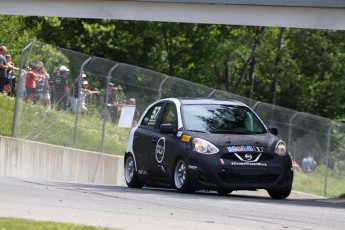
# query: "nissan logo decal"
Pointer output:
{"type": "Point", "coordinates": [248, 156]}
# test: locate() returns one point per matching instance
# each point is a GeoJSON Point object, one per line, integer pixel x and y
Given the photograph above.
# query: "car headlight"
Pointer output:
{"type": "Point", "coordinates": [280, 148]}
{"type": "Point", "coordinates": [203, 146]}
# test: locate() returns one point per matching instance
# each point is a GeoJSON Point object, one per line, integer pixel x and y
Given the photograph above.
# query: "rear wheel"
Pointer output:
{"type": "Point", "coordinates": [181, 180]}
{"type": "Point", "coordinates": [280, 193]}
{"type": "Point", "coordinates": [131, 176]}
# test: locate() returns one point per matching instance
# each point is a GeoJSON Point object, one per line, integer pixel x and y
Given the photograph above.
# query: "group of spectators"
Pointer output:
{"type": "Point", "coordinates": [38, 86]}
{"type": "Point", "coordinates": [7, 75]}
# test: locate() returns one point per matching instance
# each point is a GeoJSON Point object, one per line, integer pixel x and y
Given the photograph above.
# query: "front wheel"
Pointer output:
{"type": "Point", "coordinates": [181, 180]}
{"type": "Point", "coordinates": [131, 176]}
{"type": "Point", "coordinates": [224, 192]}
{"type": "Point", "coordinates": [280, 193]}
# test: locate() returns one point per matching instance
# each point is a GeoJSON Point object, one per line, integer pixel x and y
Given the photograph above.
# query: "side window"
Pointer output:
{"type": "Point", "coordinates": [152, 116]}
{"type": "Point", "coordinates": [169, 115]}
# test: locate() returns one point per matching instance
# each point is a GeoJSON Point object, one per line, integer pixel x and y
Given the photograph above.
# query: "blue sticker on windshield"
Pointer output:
{"type": "Point", "coordinates": [232, 149]}
{"type": "Point", "coordinates": [250, 148]}
{"type": "Point", "coordinates": [243, 148]}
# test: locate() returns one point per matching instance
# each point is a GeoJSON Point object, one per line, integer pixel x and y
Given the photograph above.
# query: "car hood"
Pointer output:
{"type": "Point", "coordinates": [265, 140]}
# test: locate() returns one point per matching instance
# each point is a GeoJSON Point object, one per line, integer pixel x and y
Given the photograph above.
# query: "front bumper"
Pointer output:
{"type": "Point", "coordinates": [214, 172]}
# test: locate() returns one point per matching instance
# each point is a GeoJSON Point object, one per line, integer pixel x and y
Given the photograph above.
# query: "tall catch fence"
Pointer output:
{"type": "Point", "coordinates": [93, 121]}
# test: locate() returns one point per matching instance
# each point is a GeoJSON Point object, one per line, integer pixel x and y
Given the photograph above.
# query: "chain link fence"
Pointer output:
{"type": "Point", "coordinates": [69, 112]}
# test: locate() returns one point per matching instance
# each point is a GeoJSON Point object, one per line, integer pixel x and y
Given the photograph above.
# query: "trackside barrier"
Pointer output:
{"type": "Point", "coordinates": [28, 159]}
{"type": "Point", "coordinates": [116, 85]}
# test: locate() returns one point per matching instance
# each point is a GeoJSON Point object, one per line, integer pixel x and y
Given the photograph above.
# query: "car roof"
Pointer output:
{"type": "Point", "coordinates": [211, 101]}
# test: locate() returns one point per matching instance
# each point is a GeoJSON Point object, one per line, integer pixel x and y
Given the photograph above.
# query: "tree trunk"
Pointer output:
{"type": "Point", "coordinates": [243, 74]}
{"type": "Point", "coordinates": [256, 42]}
{"type": "Point", "coordinates": [168, 37]}
{"type": "Point", "coordinates": [227, 73]}
{"type": "Point", "coordinates": [277, 68]}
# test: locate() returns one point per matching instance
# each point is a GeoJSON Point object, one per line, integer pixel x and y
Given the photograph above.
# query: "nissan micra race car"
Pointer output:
{"type": "Point", "coordinates": [191, 144]}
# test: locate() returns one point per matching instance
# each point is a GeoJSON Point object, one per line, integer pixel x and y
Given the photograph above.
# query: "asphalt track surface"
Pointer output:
{"type": "Point", "coordinates": [125, 208]}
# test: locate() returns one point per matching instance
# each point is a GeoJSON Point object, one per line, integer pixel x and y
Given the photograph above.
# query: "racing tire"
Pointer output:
{"type": "Point", "coordinates": [181, 180]}
{"type": "Point", "coordinates": [280, 193]}
{"type": "Point", "coordinates": [131, 175]}
{"type": "Point", "coordinates": [224, 192]}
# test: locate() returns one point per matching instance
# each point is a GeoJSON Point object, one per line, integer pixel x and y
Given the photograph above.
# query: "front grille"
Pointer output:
{"type": "Point", "coordinates": [233, 157]}
{"type": "Point", "coordinates": [245, 179]}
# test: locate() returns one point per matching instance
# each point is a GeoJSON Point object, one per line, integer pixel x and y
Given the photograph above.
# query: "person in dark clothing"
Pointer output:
{"type": "Point", "coordinates": [3, 67]}
{"type": "Point", "coordinates": [11, 77]}
{"type": "Point", "coordinates": [112, 104]}
{"type": "Point", "coordinates": [60, 88]}
{"type": "Point", "coordinates": [75, 91]}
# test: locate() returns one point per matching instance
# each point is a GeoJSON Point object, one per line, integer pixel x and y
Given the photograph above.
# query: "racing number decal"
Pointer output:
{"type": "Point", "coordinates": [155, 113]}
{"type": "Point", "coordinates": [160, 149]}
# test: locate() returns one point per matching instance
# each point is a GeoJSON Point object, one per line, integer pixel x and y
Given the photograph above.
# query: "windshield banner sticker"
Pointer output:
{"type": "Point", "coordinates": [244, 148]}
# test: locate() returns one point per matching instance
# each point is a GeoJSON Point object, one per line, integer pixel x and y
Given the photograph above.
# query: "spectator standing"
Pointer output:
{"type": "Point", "coordinates": [3, 67]}
{"type": "Point", "coordinates": [82, 97]}
{"type": "Point", "coordinates": [112, 105]}
{"type": "Point", "coordinates": [42, 88]}
{"type": "Point", "coordinates": [30, 83]}
{"type": "Point", "coordinates": [75, 91]}
{"type": "Point", "coordinates": [119, 100]}
{"type": "Point", "coordinates": [308, 164]}
{"type": "Point", "coordinates": [11, 77]}
{"type": "Point", "coordinates": [60, 88]}
{"type": "Point", "coordinates": [51, 86]}
{"type": "Point", "coordinates": [132, 101]}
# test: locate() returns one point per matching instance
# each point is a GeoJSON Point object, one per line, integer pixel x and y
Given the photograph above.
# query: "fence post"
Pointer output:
{"type": "Point", "coordinates": [105, 105]}
{"type": "Point", "coordinates": [20, 83]}
{"type": "Point", "coordinates": [212, 93]}
{"type": "Point", "coordinates": [255, 105]}
{"type": "Point", "coordinates": [327, 157]}
{"type": "Point", "coordinates": [290, 126]}
{"type": "Point", "coordinates": [161, 87]}
{"type": "Point", "coordinates": [78, 103]}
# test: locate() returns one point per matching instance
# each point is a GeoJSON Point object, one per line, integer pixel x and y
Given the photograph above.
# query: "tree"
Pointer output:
{"type": "Point", "coordinates": [300, 69]}
{"type": "Point", "coordinates": [14, 35]}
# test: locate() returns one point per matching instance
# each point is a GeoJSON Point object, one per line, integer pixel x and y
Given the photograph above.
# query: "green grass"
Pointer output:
{"type": "Point", "coordinates": [19, 224]}
{"type": "Point", "coordinates": [6, 115]}
{"type": "Point", "coordinates": [57, 127]}
{"type": "Point", "coordinates": [313, 183]}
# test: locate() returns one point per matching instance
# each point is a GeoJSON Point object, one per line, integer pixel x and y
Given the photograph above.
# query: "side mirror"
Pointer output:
{"type": "Point", "coordinates": [167, 128]}
{"type": "Point", "coordinates": [273, 130]}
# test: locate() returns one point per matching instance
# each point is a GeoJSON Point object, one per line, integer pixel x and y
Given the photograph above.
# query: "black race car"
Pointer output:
{"type": "Point", "coordinates": [197, 143]}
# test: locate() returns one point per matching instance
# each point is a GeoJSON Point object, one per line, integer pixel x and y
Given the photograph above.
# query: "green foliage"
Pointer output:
{"type": "Point", "coordinates": [299, 69]}
{"type": "Point", "coordinates": [14, 35]}
{"type": "Point", "coordinates": [15, 223]}
{"type": "Point", "coordinates": [6, 115]}
{"type": "Point", "coordinates": [51, 57]}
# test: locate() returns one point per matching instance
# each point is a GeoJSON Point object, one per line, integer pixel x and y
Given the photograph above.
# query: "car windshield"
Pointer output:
{"type": "Point", "coordinates": [221, 119]}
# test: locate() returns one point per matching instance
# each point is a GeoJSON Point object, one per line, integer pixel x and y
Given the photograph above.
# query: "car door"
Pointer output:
{"type": "Point", "coordinates": [167, 146]}
{"type": "Point", "coordinates": [145, 139]}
